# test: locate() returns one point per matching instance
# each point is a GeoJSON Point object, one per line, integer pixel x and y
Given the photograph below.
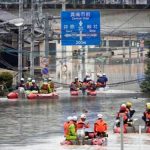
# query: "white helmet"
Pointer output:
{"type": "Point", "coordinates": [83, 116]}
{"type": "Point", "coordinates": [22, 79]}
{"type": "Point", "coordinates": [75, 118]}
{"type": "Point", "coordinates": [49, 79]}
{"type": "Point", "coordinates": [87, 75]}
{"type": "Point", "coordinates": [29, 79]}
{"type": "Point", "coordinates": [104, 74]}
{"type": "Point", "coordinates": [69, 118]}
{"type": "Point", "coordinates": [76, 78]}
{"type": "Point", "coordinates": [100, 75]}
{"type": "Point", "coordinates": [33, 81]}
{"type": "Point", "coordinates": [123, 105]}
{"type": "Point", "coordinates": [100, 116]}
{"type": "Point", "coordinates": [88, 79]}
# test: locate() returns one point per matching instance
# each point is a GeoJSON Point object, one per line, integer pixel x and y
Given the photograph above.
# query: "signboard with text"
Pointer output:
{"type": "Point", "coordinates": [80, 28]}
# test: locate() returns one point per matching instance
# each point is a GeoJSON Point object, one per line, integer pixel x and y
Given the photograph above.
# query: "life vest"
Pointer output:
{"type": "Point", "coordinates": [51, 85]}
{"type": "Point", "coordinates": [78, 84]}
{"type": "Point", "coordinates": [124, 114]}
{"type": "Point", "coordinates": [21, 85]}
{"type": "Point", "coordinates": [81, 124]}
{"type": "Point", "coordinates": [100, 84]}
{"type": "Point", "coordinates": [44, 87]}
{"type": "Point", "coordinates": [73, 86]}
{"type": "Point", "coordinates": [34, 87]}
{"type": "Point", "coordinates": [88, 85]}
{"type": "Point", "coordinates": [28, 84]}
{"type": "Point", "coordinates": [147, 115]}
{"type": "Point", "coordinates": [66, 128]}
{"type": "Point", "coordinates": [100, 126]}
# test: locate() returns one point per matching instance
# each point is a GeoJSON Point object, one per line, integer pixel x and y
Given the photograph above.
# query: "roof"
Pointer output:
{"type": "Point", "coordinates": [3, 31]}
{"type": "Point", "coordinates": [5, 16]}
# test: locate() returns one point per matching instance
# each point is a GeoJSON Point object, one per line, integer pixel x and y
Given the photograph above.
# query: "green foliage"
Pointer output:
{"type": "Point", "coordinates": [6, 79]}
{"type": "Point", "coordinates": [148, 54]}
{"type": "Point", "coordinates": [145, 85]}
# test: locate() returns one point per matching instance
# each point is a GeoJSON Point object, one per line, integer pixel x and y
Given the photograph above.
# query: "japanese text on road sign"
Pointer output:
{"type": "Point", "coordinates": [80, 27]}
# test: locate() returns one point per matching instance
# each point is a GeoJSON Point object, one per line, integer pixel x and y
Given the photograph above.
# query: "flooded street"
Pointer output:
{"type": "Point", "coordinates": [38, 125]}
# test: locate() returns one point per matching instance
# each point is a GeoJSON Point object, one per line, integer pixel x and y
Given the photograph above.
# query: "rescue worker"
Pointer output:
{"type": "Point", "coordinates": [45, 89]}
{"type": "Point", "coordinates": [81, 123]}
{"type": "Point", "coordinates": [91, 86]}
{"type": "Point", "coordinates": [71, 133]}
{"type": "Point", "coordinates": [83, 87]}
{"type": "Point", "coordinates": [105, 78]}
{"type": "Point", "coordinates": [122, 113]}
{"type": "Point", "coordinates": [75, 118]}
{"type": "Point", "coordinates": [21, 84]}
{"type": "Point", "coordinates": [86, 77]}
{"type": "Point", "coordinates": [89, 81]}
{"type": "Point", "coordinates": [130, 110]}
{"type": "Point", "coordinates": [146, 115]}
{"type": "Point", "coordinates": [100, 81]}
{"type": "Point", "coordinates": [28, 83]}
{"type": "Point", "coordinates": [100, 126]}
{"type": "Point", "coordinates": [76, 85]}
{"type": "Point", "coordinates": [51, 85]}
{"type": "Point", "coordinates": [66, 125]}
{"type": "Point", "coordinates": [34, 87]}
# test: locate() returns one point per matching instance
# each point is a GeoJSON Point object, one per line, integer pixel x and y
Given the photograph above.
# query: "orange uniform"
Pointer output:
{"type": "Point", "coordinates": [147, 115]}
{"type": "Point", "coordinates": [44, 87]}
{"type": "Point", "coordinates": [81, 124]}
{"type": "Point", "coordinates": [66, 128]}
{"type": "Point", "coordinates": [100, 126]}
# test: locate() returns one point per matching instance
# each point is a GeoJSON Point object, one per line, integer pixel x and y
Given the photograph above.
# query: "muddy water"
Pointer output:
{"type": "Point", "coordinates": [38, 125]}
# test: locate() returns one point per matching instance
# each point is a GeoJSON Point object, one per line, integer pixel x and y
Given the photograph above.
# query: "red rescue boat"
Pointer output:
{"type": "Point", "coordinates": [93, 141]}
{"type": "Point", "coordinates": [74, 93]}
{"type": "Point", "coordinates": [92, 93]}
{"type": "Point", "coordinates": [42, 96]}
{"type": "Point", "coordinates": [12, 95]}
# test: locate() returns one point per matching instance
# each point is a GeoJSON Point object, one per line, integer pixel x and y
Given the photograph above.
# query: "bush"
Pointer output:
{"type": "Point", "coordinates": [145, 85]}
{"type": "Point", "coordinates": [6, 79]}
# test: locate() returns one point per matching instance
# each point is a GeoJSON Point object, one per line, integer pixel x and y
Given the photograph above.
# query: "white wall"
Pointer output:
{"type": "Point", "coordinates": [141, 1]}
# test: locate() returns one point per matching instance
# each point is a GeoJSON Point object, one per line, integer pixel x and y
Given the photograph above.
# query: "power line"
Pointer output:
{"type": "Point", "coordinates": [126, 21]}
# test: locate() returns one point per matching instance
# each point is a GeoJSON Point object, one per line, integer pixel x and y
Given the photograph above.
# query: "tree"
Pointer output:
{"type": "Point", "coordinates": [145, 85]}
{"type": "Point", "coordinates": [6, 79]}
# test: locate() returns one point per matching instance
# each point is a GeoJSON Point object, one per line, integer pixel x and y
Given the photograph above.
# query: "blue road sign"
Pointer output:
{"type": "Point", "coordinates": [44, 71]}
{"type": "Point", "coordinates": [80, 28]}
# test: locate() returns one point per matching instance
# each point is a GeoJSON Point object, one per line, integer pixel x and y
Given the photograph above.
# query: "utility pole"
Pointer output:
{"type": "Point", "coordinates": [46, 26]}
{"type": "Point", "coordinates": [121, 132]}
{"type": "Point", "coordinates": [83, 61]}
{"type": "Point", "coordinates": [130, 61]}
{"type": "Point", "coordinates": [63, 47]}
{"type": "Point", "coordinates": [20, 43]}
{"type": "Point", "coordinates": [124, 55]}
{"type": "Point", "coordinates": [40, 9]}
{"type": "Point", "coordinates": [32, 40]}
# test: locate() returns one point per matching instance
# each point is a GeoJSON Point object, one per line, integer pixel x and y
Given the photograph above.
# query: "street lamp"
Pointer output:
{"type": "Point", "coordinates": [17, 22]}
